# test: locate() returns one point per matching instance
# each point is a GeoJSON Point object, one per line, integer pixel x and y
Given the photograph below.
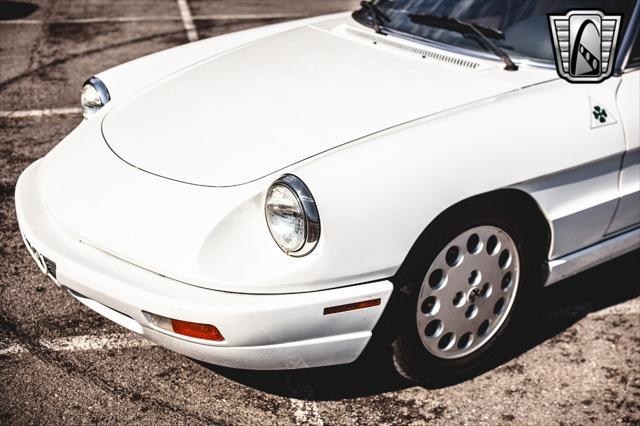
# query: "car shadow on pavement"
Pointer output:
{"type": "Point", "coordinates": [11, 10]}
{"type": "Point", "coordinates": [553, 311]}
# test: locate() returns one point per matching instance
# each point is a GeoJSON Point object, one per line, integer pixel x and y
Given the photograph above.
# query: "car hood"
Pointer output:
{"type": "Point", "coordinates": [256, 109]}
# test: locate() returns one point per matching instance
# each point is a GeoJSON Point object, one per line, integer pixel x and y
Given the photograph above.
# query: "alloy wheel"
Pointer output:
{"type": "Point", "coordinates": [467, 292]}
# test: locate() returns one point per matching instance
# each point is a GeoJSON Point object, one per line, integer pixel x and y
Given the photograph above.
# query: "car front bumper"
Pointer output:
{"type": "Point", "coordinates": [274, 331]}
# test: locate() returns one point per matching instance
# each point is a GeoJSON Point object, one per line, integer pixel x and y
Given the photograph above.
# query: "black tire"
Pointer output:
{"type": "Point", "coordinates": [411, 359]}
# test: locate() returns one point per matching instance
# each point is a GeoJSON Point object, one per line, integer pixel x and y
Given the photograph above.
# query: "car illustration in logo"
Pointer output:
{"type": "Point", "coordinates": [585, 44]}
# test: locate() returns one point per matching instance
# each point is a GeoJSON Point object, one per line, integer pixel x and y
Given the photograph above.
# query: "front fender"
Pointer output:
{"type": "Point", "coordinates": [377, 195]}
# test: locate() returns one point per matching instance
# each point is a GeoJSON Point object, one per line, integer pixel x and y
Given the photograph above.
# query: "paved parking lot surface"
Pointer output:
{"type": "Point", "coordinates": [576, 362]}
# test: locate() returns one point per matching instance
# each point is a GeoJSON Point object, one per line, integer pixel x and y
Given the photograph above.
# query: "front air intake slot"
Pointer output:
{"type": "Point", "coordinates": [415, 50]}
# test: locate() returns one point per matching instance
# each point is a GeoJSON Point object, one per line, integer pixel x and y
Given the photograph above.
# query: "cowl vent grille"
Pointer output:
{"type": "Point", "coordinates": [414, 50]}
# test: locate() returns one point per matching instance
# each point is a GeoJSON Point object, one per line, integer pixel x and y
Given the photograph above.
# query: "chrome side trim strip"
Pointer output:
{"type": "Point", "coordinates": [582, 260]}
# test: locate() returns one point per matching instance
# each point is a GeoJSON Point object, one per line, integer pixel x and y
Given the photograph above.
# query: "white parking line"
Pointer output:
{"type": "Point", "coordinates": [247, 16]}
{"type": "Point", "coordinates": [85, 343]}
{"type": "Point", "coordinates": [187, 20]}
{"type": "Point", "coordinates": [40, 112]}
{"type": "Point", "coordinates": [12, 350]}
{"type": "Point", "coordinates": [305, 411]}
{"type": "Point", "coordinates": [157, 18]}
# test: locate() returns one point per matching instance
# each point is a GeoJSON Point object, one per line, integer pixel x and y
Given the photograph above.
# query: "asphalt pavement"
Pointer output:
{"type": "Point", "coordinates": [576, 362]}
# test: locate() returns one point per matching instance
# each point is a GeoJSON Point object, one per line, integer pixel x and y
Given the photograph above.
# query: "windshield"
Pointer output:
{"type": "Point", "coordinates": [519, 27]}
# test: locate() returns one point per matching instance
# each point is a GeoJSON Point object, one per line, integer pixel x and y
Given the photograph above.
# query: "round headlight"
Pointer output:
{"type": "Point", "coordinates": [292, 216]}
{"type": "Point", "coordinates": [94, 96]}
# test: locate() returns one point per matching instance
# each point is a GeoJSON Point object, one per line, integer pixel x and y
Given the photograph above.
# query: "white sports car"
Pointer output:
{"type": "Point", "coordinates": [258, 200]}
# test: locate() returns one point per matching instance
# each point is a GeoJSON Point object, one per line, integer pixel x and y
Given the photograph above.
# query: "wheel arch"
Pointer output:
{"type": "Point", "coordinates": [539, 230]}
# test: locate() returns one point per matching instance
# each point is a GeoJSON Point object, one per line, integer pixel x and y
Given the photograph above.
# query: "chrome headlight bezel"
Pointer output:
{"type": "Point", "coordinates": [311, 217]}
{"type": "Point", "coordinates": [94, 96]}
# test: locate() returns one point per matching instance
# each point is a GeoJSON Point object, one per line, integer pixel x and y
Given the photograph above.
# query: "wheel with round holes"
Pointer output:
{"type": "Point", "coordinates": [467, 291]}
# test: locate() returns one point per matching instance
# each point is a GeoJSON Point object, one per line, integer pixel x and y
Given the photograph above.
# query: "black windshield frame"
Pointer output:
{"type": "Point", "coordinates": [631, 36]}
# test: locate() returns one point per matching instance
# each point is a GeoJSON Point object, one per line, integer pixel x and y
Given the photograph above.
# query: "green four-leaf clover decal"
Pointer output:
{"type": "Point", "coordinates": [600, 114]}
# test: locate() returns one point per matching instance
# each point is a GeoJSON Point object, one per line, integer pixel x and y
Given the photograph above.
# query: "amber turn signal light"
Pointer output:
{"type": "Point", "coordinates": [199, 331]}
{"type": "Point", "coordinates": [351, 306]}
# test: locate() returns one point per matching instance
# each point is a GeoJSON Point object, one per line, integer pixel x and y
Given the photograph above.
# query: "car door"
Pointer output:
{"type": "Point", "coordinates": [628, 99]}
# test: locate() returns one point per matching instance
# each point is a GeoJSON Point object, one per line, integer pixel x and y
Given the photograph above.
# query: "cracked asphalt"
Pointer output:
{"type": "Point", "coordinates": [576, 362]}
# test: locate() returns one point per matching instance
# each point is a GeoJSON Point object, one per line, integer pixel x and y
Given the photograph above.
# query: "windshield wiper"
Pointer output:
{"type": "Point", "coordinates": [461, 26]}
{"type": "Point", "coordinates": [376, 14]}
